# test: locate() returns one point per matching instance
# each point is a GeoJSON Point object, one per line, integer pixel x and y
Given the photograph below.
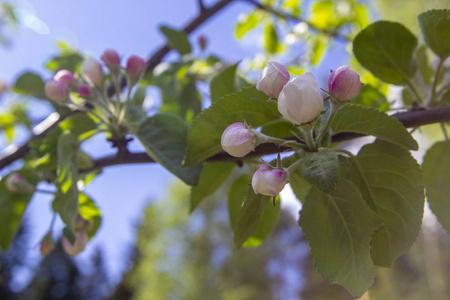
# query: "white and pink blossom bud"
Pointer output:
{"type": "Point", "coordinates": [135, 66]}
{"type": "Point", "coordinates": [268, 181]}
{"type": "Point", "coordinates": [92, 72]}
{"type": "Point", "coordinates": [344, 84]}
{"type": "Point", "coordinates": [111, 58]}
{"type": "Point", "coordinates": [81, 240]}
{"type": "Point", "coordinates": [56, 91]}
{"type": "Point", "coordinates": [274, 77]}
{"type": "Point", "coordinates": [46, 245]}
{"type": "Point", "coordinates": [84, 90]}
{"type": "Point", "coordinates": [300, 100]}
{"type": "Point", "coordinates": [15, 183]}
{"type": "Point", "coordinates": [64, 76]}
{"type": "Point", "coordinates": [237, 140]}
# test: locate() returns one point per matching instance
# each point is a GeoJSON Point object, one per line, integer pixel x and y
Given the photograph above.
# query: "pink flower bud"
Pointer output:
{"type": "Point", "coordinates": [202, 41]}
{"type": "Point", "coordinates": [92, 72]}
{"type": "Point", "coordinates": [300, 100]}
{"type": "Point", "coordinates": [344, 84]}
{"type": "Point", "coordinates": [56, 91]}
{"type": "Point", "coordinates": [46, 245]}
{"type": "Point", "coordinates": [268, 181]}
{"type": "Point", "coordinates": [81, 240]}
{"type": "Point", "coordinates": [135, 66]}
{"type": "Point", "coordinates": [274, 77]}
{"type": "Point", "coordinates": [64, 76]}
{"type": "Point", "coordinates": [15, 183]}
{"type": "Point", "coordinates": [84, 90]}
{"type": "Point", "coordinates": [111, 58]}
{"type": "Point", "coordinates": [237, 140]}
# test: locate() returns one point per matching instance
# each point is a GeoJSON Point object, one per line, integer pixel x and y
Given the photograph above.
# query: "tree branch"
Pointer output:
{"type": "Point", "coordinates": [204, 15]}
{"type": "Point", "coordinates": [286, 16]}
{"type": "Point", "coordinates": [409, 119]}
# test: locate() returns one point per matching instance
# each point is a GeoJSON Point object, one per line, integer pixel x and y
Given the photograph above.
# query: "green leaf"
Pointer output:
{"type": "Point", "coordinates": [65, 62]}
{"type": "Point", "coordinates": [206, 129]}
{"type": "Point", "coordinates": [139, 96]}
{"type": "Point", "coordinates": [339, 227]}
{"type": "Point", "coordinates": [435, 26]}
{"type": "Point", "coordinates": [321, 169]}
{"type": "Point", "coordinates": [236, 196]}
{"type": "Point", "coordinates": [29, 84]}
{"type": "Point", "coordinates": [249, 217]}
{"type": "Point", "coordinates": [281, 129]}
{"type": "Point", "coordinates": [12, 208]}
{"type": "Point", "coordinates": [368, 121]}
{"type": "Point", "coordinates": [425, 68]}
{"type": "Point", "coordinates": [213, 175]}
{"type": "Point", "coordinates": [226, 82]}
{"type": "Point", "coordinates": [371, 97]}
{"type": "Point", "coordinates": [177, 40]}
{"type": "Point", "coordinates": [66, 198]}
{"type": "Point", "coordinates": [407, 96]}
{"type": "Point", "coordinates": [164, 139]}
{"type": "Point", "coordinates": [89, 211]}
{"type": "Point", "coordinates": [436, 177]}
{"type": "Point", "coordinates": [299, 185]}
{"type": "Point", "coordinates": [248, 22]}
{"type": "Point", "coordinates": [386, 49]}
{"type": "Point", "coordinates": [390, 181]}
{"type": "Point", "coordinates": [270, 38]}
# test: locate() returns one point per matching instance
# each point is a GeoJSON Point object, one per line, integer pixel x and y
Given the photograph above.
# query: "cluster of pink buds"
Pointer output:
{"type": "Point", "coordinates": [299, 100]}
{"type": "Point", "coordinates": [93, 76]}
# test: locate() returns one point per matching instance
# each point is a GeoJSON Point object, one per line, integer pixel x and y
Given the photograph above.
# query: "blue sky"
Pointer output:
{"type": "Point", "coordinates": [130, 27]}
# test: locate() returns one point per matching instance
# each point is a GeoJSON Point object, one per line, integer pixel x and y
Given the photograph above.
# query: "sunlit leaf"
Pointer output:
{"type": "Point", "coordinates": [177, 40]}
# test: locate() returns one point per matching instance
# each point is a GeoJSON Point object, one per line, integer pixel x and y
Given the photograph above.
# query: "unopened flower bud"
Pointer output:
{"type": "Point", "coordinates": [84, 90]}
{"type": "Point", "coordinates": [92, 72]}
{"type": "Point", "coordinates": [82, 224]}
{"type": "Point", "coordinates": [111, 59]}
{"type": "Point", "coordinates": [268, 181]}
{"type": "Point", "coordinates": [46, 245]}
{"type": "Point", "coordinates": [300, 100]}
{"type": "Point", "coordinates": [81, 240]}
{"type": "Point", "coordinates": [64, 76]}
{"type": "Point", "coordinates": [274, 77]}
{"type": "Point", "coordinates": [237, 140]}
{"type": "Point", "coordinates": [202, 41]}
{"type": "Point", "coordinates": [344, 84]}
{"type": "Point", "coordinates": [3, 86]}
{"type": "Point", "coordinates": [135, 66]}
{"type": "Point", "coordinates": [17, 184]}
{"type": "Point", "coordinates": [56, 91]}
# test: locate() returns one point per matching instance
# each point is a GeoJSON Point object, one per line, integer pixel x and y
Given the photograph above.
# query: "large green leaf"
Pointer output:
{"type": "Point", "coordinates": [226, 82]}
{"type": "Point", "coordinates": [213, 175]}
{"type": "Point", "coordinates": [164, 139]}
{"type": "Point", "coordinates": [436, 177]}
{"type": "Point", "coordinates": [12, 207]}
{"type": "Point", "coordinates": [386, 49]}
{"type": "Point", "coordinates": [339, 227]}
{"type": "Point", "coordinates": [390, 181]}
{"type": "Point", "coordinates": [368, 121]}
{"type": "Point", "coordinates": [435, 26]}
{"type": "Point", "coordinates": [206, 129]}
{"type": "Point", "coordinates": [321, 169]}
{"type": "Point", "coordinates": [89, 211]}
{"type": "Point", "coordinates": [177, 40]}
{"type": "Point", "coordinates": [66, 198]}
{"type": "Point", "coordinates": [250, 215]}
{"type": "Point", "coordinates": [31, 84]}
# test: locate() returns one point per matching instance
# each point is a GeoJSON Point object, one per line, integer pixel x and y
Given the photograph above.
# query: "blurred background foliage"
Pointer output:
{"type": "Point", "coordinates": [182, 256]}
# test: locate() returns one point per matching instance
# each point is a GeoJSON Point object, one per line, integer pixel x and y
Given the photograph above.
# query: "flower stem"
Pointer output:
{"type": "Point", "coordinates": [334, 106]}
{"type": "Point", "coordinates": [433, 100]}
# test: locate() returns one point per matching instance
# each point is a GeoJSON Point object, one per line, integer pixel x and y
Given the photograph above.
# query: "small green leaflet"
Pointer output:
{"type": "Point", "coordinates": [321, 169]}
{"type": "Point", "coordinates": [29, 84]}
{"type": "Point", "coordinates": [436, 175]}
{"type": "Point", "coordinates": [177, 40]}
{"type": "Point", "coordinates": [369, 121]}
{"type": "Point", "coordinates": [339, 227]}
